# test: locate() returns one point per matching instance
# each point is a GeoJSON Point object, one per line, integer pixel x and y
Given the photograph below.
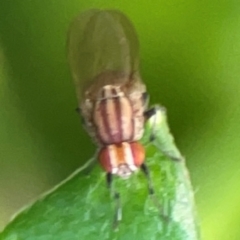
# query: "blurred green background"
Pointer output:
{"type": "Point", "coordinates": [190, 60]}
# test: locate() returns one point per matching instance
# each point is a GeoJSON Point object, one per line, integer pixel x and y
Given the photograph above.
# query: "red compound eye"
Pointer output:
{"type": "Point", "coordinates": [138, 153]}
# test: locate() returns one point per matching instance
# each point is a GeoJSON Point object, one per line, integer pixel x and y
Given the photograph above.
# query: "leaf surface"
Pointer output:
{"type": "Point", "coordinates": [82, 207]}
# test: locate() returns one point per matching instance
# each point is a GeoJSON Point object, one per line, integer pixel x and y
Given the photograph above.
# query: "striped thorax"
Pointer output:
{"type": "Point", "coordinates": [115, 115]}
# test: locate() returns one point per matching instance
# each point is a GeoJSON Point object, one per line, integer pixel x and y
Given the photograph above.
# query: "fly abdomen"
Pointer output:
{"type": "Point", "coordinates": [113, 116]}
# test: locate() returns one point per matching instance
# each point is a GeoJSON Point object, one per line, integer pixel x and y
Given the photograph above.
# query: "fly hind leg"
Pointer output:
{"type": "Point", "coordinates": [157, 114]}
{"type": "Point", "coordinates": [152, 113]}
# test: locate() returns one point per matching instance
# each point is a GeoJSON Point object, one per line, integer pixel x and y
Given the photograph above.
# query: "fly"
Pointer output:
{"type": "Point", "coordinates": [103, 53]}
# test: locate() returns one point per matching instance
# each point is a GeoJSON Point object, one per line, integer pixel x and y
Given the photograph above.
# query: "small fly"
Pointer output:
{"type": "Point", "coordinates": [103, 53]}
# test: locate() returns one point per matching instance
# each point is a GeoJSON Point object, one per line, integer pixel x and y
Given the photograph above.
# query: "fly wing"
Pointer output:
{"type": "Point", "coordinates": [101, 41]}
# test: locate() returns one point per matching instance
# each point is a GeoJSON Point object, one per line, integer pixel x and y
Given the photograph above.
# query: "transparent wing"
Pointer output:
{"type": "Point", "coordinates": [101, 41]}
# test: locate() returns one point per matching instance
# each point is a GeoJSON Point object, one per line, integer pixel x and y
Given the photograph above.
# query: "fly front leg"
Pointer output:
{"type": "Point", "coordinates": [151, 191]}
{"type": "Point", "coordinates": [116, 195]}
{"type": "Point", "coordinates": [145, 170]}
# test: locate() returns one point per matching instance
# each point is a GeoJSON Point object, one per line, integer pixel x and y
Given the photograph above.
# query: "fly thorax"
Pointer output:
{"type": "Point", "coordinates": [110, 91]}
{"type": "Point", "coordinates": [113, 116]}
{"type": "Point", "coordinates": [138, 108]}
{"type": "Point", "coordinates": [86, 111]}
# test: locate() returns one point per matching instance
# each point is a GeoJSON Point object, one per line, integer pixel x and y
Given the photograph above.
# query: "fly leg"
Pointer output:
{"type": "Point", "coordinates": [151, 191]}
{"type": "Point", "coordinates": [79, 111]}
{"type": "Point", "coordinates": [145, 170]}
{"type": "Point", "coordinates": [152, 112]}
{"type": "Point", "coordinates": [162, 135]}
{"type": "Point", "coordinates": [116, 195]}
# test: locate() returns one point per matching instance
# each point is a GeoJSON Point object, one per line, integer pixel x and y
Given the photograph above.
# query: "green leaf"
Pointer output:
{"type": "Point", "coordinates": [82, 207]}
